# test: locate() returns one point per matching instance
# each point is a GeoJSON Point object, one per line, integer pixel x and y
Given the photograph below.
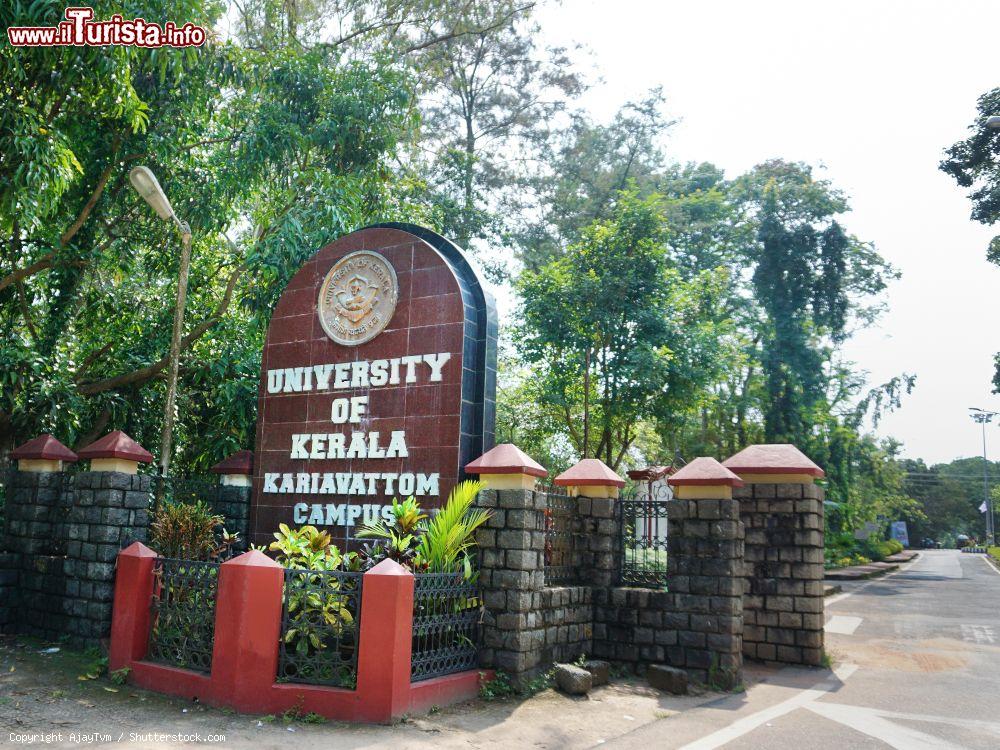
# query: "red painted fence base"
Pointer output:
{"type": "Point", "coordinates": [245, 652]}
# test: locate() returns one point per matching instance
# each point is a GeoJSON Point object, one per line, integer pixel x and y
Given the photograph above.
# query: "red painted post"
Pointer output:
{"type": "Point", "coordinates": [130, 616]}
{"type": "Point", "coordinates": [386, 641]}
{"type": "Point", "coordinates": [247, 629]}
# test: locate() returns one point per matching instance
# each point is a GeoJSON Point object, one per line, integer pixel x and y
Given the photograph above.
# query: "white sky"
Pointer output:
{"type": "Point", "coordinates": [874, 91]}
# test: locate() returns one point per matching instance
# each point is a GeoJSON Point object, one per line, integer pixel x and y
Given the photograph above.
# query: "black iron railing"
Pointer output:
{"type": "Point", "coordinates": [447, 618]}
{"type": "Point", "coordinates": [182, 613]}
{"type": "Point", "coordinates": [320, 622]}
{"type": "Point", "coordinates": [643, 524]}
{"type": "Point", "coordinates": [559, 516]}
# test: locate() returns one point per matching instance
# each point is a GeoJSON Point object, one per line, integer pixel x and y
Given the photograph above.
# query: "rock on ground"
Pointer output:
{"type": "Point", "coordinates": [573, 680]}
{"type": "Point", "coordinates": [600, 671]}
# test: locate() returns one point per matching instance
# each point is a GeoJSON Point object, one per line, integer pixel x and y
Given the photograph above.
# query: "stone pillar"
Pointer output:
{"type": "Point", "coordinates": [32, 583]}
{"type": "Point", "coordinates": [705, 565]}
{"type": "Point", "coordinates": [597, 543]}
{"type": "Point", "coordinates": [110, 512]}
{"type": "Point", "coordinates": [782, 510]}
{"type": "Point", "coordinates": [232, 500]}
{"type": "Point", "coordinates": [37, 505]}
{"type": "Point", "coordinates": [512, 576]}
{"type": "Point", "coordinates": [511, 561]}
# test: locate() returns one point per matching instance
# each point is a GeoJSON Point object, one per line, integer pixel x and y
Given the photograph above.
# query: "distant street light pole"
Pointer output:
{"type": "Point", "coordinates": [984, 417]}
{"type": "Point", "coordinates": [145, 183]}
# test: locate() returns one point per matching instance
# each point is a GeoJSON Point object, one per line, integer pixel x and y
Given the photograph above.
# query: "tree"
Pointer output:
{"type": "Point", "coordinates": [975, 164]}
{"type": "Point", "coordinates": [591, 164]}
{"type": "Point", "coordinates": [283, 150]}
{"type": "Point", "coordinates": [611, 306]}
{"type": "Point", "coordinates": [811, 280]}
{"type": "Point", "coordinates": [490, 97]}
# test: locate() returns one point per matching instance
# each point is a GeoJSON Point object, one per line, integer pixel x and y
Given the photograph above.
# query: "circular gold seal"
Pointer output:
{"type": "Point", "coordinates": [357, 298]}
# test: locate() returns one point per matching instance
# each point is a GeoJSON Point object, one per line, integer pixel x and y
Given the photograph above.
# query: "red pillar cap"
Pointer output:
{"type": "Point", "coordinates": [253, 558]}
{"type": "Point", "coordinates": [44, 447]}
{"type": "Point", "coordinates": [117, 445]}
{"type": "Point", "coordinates": [388, 568]}
{"type": "Point", "coordinates": [240, 462]}
{"type": "Point", "coordinates": [506, 458]}
{"type": "Point", "coordinates": [651, 474]}
{"type": "Point", "coordinates": [137, 549]}
{"type": "Point", "coordinates": [773, 458]}
{"type": "Point", "coordinates": [589, 472]}
{"type": "Point", "coordinates": [705, 471]}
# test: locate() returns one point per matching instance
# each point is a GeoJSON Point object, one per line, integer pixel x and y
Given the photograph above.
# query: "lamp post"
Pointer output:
{"type": "Point", "coordinates": [984, 417]}
{"type": "Point", "coordinates": [144, 182]}
{"type": "Point", "coordinates": [993, 121]}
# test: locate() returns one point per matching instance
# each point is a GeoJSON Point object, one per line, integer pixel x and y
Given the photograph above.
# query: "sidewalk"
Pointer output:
{"type": "Point", "coordinates": [871, 570]}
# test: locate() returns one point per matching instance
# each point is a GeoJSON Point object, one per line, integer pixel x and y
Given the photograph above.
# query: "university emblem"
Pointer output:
{"type": "Point", "coordinates": [357, 298]}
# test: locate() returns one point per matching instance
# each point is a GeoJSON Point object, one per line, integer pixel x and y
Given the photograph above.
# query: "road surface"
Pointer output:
{"type": "Point", "coordinates": [917, 667]}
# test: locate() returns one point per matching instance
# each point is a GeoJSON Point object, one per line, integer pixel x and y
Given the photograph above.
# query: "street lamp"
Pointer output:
{"type": "Point", "coordinates": [984, 417]}
{"type": "Point", "coordinates": [993, 121]}
{"type": "Point", "coordinates": [145, 183]}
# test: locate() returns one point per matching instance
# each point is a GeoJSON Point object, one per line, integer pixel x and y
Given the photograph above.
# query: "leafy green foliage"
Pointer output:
{"type": "Point", "coordinates": [975, 164]}
{"type": "Point", "coordinates": [282, 149]}
{"type": "Point", "coordinates": [308, 548]}
{"type": "Point", "coordinates": [440, 544]}
{"type": "Point", "coordinates": [190, 531]}
{"type": "Point", "coordinates": [651, 337]}
{"type": "Point", "coordinates": [947, 497]}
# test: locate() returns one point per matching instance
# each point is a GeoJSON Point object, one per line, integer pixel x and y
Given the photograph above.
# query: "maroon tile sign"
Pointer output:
{"type": "Point", "coordinates": [378, 380]}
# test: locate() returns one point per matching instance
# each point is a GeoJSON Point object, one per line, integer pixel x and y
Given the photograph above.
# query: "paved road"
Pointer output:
{"type": "Point", "coordinates": [917, 667]}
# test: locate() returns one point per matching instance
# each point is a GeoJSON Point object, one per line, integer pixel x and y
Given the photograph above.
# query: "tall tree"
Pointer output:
{"type": "Point", "coordinates": [975, 164]}
{"type": "Point", "coordinates": [489, 103]}
{"type": "Point", "coordinates": [651, 337]}
{"type": "Point", "coordinates": [811, 280]}
{"type": "Point", "coordinates": [591, 164]}
{"type": "Point", "coordinates": [283, 150]}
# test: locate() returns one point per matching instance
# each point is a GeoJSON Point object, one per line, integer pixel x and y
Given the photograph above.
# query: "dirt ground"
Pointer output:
{"type": "Point", "coordinates": [47, 698]}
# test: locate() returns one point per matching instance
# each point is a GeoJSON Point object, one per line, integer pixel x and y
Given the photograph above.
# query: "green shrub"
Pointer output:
{"type": "Point", "coordinates": [895, 545]}
{"type": "Point", "coordinates": [187, 531]}
{"type": "Point", "coordinates": [437, 545]}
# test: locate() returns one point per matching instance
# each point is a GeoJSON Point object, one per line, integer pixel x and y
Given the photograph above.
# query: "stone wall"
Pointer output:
{"type": "Point", "coordinates": [233, 504]}
{"type": "Point", "coordinates": [34, 542]}
{"type": "Point", "coordinates": [783, 602]}
{"type": "Point", "coordinates": [527, 626]}
{"type": "Point", "coordinates": [63, 532]}
{"type": "Point", "coordinates": [696, 625]}
{"type": "Point", "coordinates": [10, 575]}
{"type": "Point", "coordinates": [634, 626]}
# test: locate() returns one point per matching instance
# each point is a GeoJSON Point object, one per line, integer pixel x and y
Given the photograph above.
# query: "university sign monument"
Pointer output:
{"type": "Point", "coordinates": [377, 381]}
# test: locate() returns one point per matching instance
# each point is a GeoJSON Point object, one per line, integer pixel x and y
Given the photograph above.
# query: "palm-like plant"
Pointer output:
{"type": "Point", "coordinates": [437, 545]}
{"type": "Point", "coordinates": [448, 536]}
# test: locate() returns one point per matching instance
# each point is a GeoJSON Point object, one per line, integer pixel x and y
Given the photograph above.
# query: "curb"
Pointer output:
{"type": "Point", "coordinates": [871, 570]}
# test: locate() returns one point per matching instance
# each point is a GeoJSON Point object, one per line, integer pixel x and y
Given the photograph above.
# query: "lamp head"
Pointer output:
{"type": "Point", "coordinates": [993, 121]}
{"type": "Point", "coordinates": [145, 184]}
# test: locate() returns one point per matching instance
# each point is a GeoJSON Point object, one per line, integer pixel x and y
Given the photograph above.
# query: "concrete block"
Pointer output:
{"type": "Point", "coordinates": [669, 679]}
